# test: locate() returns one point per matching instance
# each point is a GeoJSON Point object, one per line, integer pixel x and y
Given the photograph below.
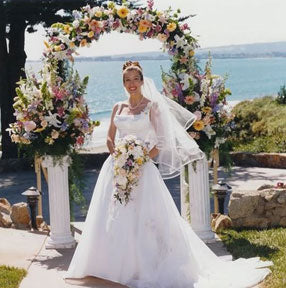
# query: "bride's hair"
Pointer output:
{"type": "Point", "coordinates": [132, 65]}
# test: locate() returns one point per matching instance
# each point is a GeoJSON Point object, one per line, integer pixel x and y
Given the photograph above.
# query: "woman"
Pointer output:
{"type": "Point", "coordinates": [146, 243]}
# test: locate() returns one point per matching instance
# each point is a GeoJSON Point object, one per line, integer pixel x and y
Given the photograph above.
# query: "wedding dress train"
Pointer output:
{"type": "Point", "coordinates": [146, 243]}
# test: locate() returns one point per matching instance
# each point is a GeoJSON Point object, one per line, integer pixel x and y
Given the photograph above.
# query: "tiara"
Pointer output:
{"type": "Point", "coordinates": [133, 64]}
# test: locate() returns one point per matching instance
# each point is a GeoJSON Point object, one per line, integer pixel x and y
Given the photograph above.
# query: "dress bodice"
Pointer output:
{"type": "Point", "coordinates": [138, 125]}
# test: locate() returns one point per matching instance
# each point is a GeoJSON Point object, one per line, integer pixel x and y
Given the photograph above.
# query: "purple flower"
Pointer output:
{"type": "Point", "coordinates": [213, 99]}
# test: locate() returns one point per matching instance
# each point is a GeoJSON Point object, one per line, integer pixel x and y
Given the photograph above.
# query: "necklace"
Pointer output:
{"type": "Point", "coordinates": [136, 106]}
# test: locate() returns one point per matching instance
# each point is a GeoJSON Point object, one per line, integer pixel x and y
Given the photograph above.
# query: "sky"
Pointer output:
{"type": "Point", "coordinates": [217, 23]}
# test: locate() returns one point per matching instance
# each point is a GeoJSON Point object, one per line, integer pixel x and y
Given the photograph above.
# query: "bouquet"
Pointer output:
{"type": "Point", "coordinates": [51, 114]}
{"type": "Point", "coordinates": [129, 156]}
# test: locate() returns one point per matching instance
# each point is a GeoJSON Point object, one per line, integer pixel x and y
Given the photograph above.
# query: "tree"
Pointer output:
{"type": "Point", "coordinates": [17, 16]}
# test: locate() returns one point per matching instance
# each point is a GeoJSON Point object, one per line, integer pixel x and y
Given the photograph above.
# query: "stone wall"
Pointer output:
{"type": "Point", "coordinates": [268, 160]}
{"type": "Point", "coordinates": [258, 208]}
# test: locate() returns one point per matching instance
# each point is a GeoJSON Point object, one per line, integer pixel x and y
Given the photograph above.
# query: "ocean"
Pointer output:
{"type": "Point", "coordinates": [247, 78]}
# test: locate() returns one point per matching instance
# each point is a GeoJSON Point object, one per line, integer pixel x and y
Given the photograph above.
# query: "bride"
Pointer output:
{"type": "Point", "coordinates": [146, 243]}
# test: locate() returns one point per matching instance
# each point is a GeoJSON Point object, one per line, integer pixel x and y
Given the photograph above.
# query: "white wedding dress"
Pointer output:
{"type": "Point", "coordinates": [147, 244]}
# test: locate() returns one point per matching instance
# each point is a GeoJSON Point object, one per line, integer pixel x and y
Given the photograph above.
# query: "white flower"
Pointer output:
{"type": "Point", "coordinates": [121, 180]}
{"type": "Point", "coordinates": [75, 23]}
{"type": "Point", "coordinates": [186, 80]}
{"type": "Point", "coordinates": [52, 120]}
{"type": "Point", "coordinates": [180, 41]}
{"type": "Point", "coordinates": [209, 131]}
{"type": "Point", "coordinates": [218, 141]}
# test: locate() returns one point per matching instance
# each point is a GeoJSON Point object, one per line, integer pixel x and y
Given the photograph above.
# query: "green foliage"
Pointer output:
{"type": "Point", "coordinates": [281, 97]}
{"type": "Point", "coordinates": [11, 277]}
{"type": "Point", "coordinates": [76, 183]}
{"type": "Point", "coordinates": [260, 126]}
{"type": "Point", "coordinates": [268, 244]}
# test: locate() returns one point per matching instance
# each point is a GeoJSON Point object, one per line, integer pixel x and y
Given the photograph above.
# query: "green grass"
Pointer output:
{"type": "Point", "coordinates": [268, 244]}
{"type": "Point", "coordinates": [11, 277]}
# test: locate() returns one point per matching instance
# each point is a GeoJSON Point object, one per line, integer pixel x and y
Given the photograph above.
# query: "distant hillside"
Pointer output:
{"type": "Point", "coordinates": [275, 49]}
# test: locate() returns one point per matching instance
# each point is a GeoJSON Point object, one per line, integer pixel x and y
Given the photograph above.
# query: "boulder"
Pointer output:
{"type": "Point", "coordinates": [256, 221]}
{"type": "Point", "coordinates": [20, 215]}
{"type": "Point", "coordinates": [5, 206]}
{"type": "Point", "coordinates": [5, 220]}
{"type": "Point", "coordinates": [221, 222]}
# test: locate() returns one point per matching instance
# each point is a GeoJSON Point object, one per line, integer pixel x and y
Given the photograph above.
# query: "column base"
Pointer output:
{"type": "Point", "coordinates": [68, 242]}
{"type": "Point", "coordinates": [206, 235]}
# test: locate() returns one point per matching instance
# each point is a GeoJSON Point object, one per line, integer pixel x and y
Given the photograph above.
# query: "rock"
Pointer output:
{"type": "Point", "coordinates": [265, 186]}
{"type": "Point", "coordinates": [282, 198]}
{"type": "Point", "coordinates": [242, 207]}
{"type": "Point", "coordinates": [39, 220]}
{"type": "Point", "coordinates": [20, 215]}
{"type": "Point", "coordinates": [256, 221]}
{"type": "Point", "coordinates": [5, 220]}
{"type": "Point", "coordinates": [260, 209]}
{"type": "Point", "coordinates": [279, 211]}
{"type": "Point", "coordinates": [274, 220]}
{"type": "Point", "coordinates": [283, 222]}
{"type": "Point", "coordinates": [221, 222]}
{"type": "Point", "coordinates": [270, 194]}
{"type": "Point", "coordinates": [5, 206]}
{"type": "Point", "coordinates": [44, 227]}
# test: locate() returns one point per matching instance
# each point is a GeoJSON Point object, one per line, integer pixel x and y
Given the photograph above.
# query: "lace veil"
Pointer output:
{"type": "Point", "coordinates": [171, 120]}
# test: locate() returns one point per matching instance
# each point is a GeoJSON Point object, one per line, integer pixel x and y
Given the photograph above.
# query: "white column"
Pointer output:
{"type": "Point", "coordinates": [185, 195]}
{"type": "Point", "coordinates": [200, 199]}
{"type": "Point", "coordinates": [60, 235]}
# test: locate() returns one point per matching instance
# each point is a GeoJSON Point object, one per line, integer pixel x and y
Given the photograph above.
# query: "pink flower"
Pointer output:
{"type": "Point", "coordinates": [158, 28]}
{"type": "Point", "coordinates": [185, 27]}
{"type": "Point", "coordinates": [29, 125]}
{"type": "Point", "coordinates": [183, 60]}
{"type": "Point", "coordinates": [189, 100]}
{"type": "Point", "coordinates": [61, 111]}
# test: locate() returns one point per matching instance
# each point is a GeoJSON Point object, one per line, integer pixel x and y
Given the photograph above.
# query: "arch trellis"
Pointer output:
{"type": "Point", "coordinates": [52, 116]}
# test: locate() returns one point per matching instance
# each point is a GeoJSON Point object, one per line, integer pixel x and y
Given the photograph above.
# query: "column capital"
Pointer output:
{"type": "Point", "coordinates": [52, 161]}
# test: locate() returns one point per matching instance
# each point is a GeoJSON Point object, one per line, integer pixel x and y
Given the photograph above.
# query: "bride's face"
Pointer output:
{"type": "Point", "coordinates": [132, 81]}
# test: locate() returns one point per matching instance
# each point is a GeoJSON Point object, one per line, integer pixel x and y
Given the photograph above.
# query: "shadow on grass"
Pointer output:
{"type": "Point", "coordinates": [240, 247]}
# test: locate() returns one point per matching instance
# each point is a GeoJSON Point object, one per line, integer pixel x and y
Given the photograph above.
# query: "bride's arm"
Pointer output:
{"type": "Point", "coordinates": [111, 131]}
{"type": "Point", "coordinates": [153, 152]}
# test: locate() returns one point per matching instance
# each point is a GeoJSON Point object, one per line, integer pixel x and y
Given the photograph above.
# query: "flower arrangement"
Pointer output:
{"type": "Point", "coordinates": [51, 114]}
{"type": "Point", "coordinates": [91, 22]}
{"type": "Point", "coordinates": [129, 155]}
{"type": "Point", "coordinates": [204, 94]}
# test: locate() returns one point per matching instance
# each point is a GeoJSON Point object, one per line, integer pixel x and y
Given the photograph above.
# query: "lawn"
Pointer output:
{"type": "Point", "coordinates": [268, 244]}
{"type": "Point", "coordinates": [11, 277]}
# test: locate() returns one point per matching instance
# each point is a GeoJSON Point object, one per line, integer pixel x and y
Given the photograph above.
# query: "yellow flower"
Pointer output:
{"type": "Point", "coordinates": [122, 12]}
{"type": "Point", "coordinates": [72, 45]}
{"type": "Point", "coordinates": [57, 48]}
{"type": "Point", "coordinates": [83, 42]}
{"type": "Point", "coordinates": [90, 34]}
{"type": "Point", "coordinates": [191, 53]}
{"type": "Point", "coordinates": [199, 125]}
{"type": "Point", "coordinates": [98, 14]}
{"type": "Point", "coordinates": [207, 110]}
{"type": "Point", "coordinates": [142, 29]}
{"type": "Point", "coordinates": [67, 29]}
{"type": "Point", "coordinates": [171, 26]}
{"type": "Point", "coordinates": [139, 161]}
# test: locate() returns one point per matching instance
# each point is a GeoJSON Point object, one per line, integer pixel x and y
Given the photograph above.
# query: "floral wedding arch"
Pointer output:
{"type": "Point", "coordinates": [52, 111]}
{"type": "Point", "coordinates": [52, 117]}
